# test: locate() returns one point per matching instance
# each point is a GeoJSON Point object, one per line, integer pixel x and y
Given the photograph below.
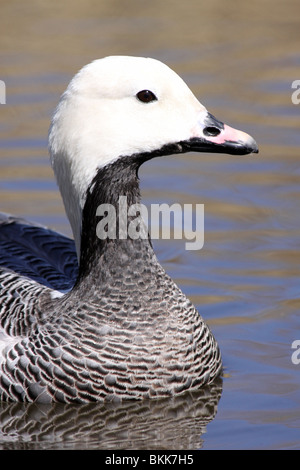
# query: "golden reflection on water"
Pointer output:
{"type": "Point", "coordinates": [240, 60]}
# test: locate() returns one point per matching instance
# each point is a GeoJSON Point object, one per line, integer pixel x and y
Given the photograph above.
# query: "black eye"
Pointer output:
{"type": "Point", "coordinates": [146, 96]}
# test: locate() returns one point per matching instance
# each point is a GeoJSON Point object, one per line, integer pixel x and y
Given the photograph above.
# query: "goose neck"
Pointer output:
{"type": "Point", "coordinates": [111, 233]}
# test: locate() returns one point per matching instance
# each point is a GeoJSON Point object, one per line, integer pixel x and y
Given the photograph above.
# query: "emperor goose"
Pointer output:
{"type": "Point", "coordinates": [122, 329]}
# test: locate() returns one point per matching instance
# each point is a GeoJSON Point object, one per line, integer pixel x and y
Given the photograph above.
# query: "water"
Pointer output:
{"type": "Point", "coordinates": [240, 60]}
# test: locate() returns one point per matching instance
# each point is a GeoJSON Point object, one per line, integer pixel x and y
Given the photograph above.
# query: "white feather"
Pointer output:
{"type": "Point", "coordinates": [100, 119]}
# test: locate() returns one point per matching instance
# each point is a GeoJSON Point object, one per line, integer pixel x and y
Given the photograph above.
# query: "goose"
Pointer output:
{"type": "Point", "coordinates": [115, 326]}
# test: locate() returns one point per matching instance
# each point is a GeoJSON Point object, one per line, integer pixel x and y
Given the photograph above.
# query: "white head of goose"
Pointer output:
{"type": "Point", "coordinates": [125, 330]}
